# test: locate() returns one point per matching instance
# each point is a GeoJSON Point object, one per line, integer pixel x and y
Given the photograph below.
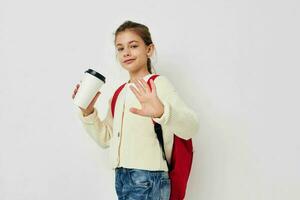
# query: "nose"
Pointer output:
{"type": "Point", "coordinates": [126, 52]}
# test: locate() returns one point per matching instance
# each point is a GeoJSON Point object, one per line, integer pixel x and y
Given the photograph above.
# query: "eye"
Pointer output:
{"type": "Point", "coordinates": [134, 46]}
{"type": "Point", "coordinates": [120, 49]}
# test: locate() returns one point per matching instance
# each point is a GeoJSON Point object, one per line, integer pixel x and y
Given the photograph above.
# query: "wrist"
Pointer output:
{"type": "Point", "coordinates": [160, 113]}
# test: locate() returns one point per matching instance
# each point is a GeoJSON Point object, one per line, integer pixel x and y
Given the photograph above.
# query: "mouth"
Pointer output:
{"type": "Point", "coordinates": [129, 61]}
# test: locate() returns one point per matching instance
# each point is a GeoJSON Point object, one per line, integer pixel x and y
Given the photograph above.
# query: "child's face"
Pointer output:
{"type": "Point", "coordinates": [129, 45]}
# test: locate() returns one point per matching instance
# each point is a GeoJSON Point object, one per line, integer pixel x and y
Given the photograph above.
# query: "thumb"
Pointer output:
{"type": "Point", "coordinates": [136, 111]}
{"type": "Point", "coordinates": [97, 95]}
{"type": "Point", "coordinates": [95, 98]}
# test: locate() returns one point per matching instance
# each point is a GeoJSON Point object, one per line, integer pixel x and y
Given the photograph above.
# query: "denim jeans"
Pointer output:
{"type": "Point", "coordinates": [136, 184]}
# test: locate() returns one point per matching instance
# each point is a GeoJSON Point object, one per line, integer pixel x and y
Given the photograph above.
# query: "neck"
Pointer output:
{"type": "Point", "coordinates": [138, 75]}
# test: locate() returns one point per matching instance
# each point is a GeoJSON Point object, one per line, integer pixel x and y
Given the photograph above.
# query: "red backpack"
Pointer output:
{"type": "Point", "coordinates": [182, 154]}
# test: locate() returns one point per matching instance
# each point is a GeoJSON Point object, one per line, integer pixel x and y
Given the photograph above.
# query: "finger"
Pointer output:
{"type": "Point", "coordinates": [96, 96]}
{"type": "Point", "coordinates": [136, 111]}
{"type": "Point", "coordinates": [153, 86]}
{"type": "Point", "coordinates": [145, 85]}
{"type": "Point", "coordinates": [136, 92]}
{"type": "Point", "coordinates": [74, 93]}
{"type": "Point", "coordinates": [76, 88]}
{"type": "Point", "coordinates": [93, 100]}
{"type": "Point", "coordinates": [140, 87]}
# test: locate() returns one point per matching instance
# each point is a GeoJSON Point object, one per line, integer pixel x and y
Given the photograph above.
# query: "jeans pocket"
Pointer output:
{"type": "Point", "coordinates": [165, 188]}
{"type": "Point", "coordinates": [140, 178]}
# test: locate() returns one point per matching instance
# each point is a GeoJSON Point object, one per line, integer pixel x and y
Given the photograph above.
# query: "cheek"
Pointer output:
{"type": "Point", "coordinates": [144, 59]}
{"type": "Point", "coordinates": [118, 57]}
{"type": "Point", "coordinates": [142, 56]}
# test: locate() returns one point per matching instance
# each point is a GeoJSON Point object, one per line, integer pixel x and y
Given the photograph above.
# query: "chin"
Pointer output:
{"type": "Point", "coordinates": [130, 68]}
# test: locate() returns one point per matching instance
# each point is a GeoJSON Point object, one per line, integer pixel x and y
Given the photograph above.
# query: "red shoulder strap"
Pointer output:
{"type": "Point", "coordinates": [114, 99]}
{"type": "Point", "coordinates": [117, 92]}
{"type": "Point", "coordinates": [153, 78]}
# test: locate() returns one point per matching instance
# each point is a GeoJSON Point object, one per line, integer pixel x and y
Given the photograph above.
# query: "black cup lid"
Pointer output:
{"type": "Point", "coordinates": [94, 73]}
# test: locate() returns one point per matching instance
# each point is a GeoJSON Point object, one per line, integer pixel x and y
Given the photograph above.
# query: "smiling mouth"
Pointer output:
{"type": "Point", "coordinates": [129, 61]}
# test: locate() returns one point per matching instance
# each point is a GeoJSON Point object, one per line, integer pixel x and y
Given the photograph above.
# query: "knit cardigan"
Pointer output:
{"type": "Point", "coordinates": [131, 138]}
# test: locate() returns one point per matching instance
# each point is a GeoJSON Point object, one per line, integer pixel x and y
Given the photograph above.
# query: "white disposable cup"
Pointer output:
{"type": "Point", "coordinates": [90, 84]}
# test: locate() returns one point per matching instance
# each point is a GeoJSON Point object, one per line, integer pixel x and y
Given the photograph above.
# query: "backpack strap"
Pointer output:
{"type": "Point", "coordinates": [114, 99]}
{"type": "Point", "coordinates": [158, 128]}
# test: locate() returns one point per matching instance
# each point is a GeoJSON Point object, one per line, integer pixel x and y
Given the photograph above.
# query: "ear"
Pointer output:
{"type": "Point", "coordinates": [150, 50]}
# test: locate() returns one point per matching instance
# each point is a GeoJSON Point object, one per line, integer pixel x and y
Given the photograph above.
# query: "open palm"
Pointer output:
{"type": "Point", "coordinates": [151, 104]}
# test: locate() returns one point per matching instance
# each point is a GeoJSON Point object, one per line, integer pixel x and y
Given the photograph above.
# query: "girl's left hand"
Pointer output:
{"type": "Point", "coordinates": [151, 105]}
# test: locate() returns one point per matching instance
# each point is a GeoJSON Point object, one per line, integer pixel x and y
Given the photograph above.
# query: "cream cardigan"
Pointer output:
{"type": "Point", "coordinates": [131, 138]}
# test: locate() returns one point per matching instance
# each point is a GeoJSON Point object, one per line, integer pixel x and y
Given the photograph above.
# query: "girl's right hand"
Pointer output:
{"type": "Point", "coordinates": [90, 108]}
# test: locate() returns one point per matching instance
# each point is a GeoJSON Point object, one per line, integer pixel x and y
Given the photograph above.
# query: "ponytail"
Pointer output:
{"type": "Point", "coordinates": [149, 65]}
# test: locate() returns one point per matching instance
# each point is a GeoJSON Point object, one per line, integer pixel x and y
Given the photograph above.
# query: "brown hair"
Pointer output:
{"type": "Point", "coordinates": [139, 29]}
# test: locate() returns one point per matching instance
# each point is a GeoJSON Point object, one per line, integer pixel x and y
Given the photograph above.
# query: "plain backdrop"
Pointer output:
{"type": "Point", "coordinates": [234, 62]}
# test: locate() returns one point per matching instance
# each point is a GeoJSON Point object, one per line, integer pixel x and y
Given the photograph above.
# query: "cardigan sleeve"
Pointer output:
{"type": "Point", "coordinates": [100, 130]}
{"type": "Point", "coordinates": [177, 117]}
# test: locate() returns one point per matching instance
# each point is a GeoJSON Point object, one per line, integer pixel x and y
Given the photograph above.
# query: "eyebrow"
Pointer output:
{"type": "Point", "coordinates": [128, 42]}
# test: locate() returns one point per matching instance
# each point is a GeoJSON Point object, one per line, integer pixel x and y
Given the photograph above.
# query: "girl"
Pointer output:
{"type": "Point", "coordinates": [135, 153]}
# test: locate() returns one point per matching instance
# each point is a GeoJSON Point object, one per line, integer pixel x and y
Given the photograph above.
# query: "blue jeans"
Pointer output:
{"type": "Point", "coordinates": [136, 184]}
